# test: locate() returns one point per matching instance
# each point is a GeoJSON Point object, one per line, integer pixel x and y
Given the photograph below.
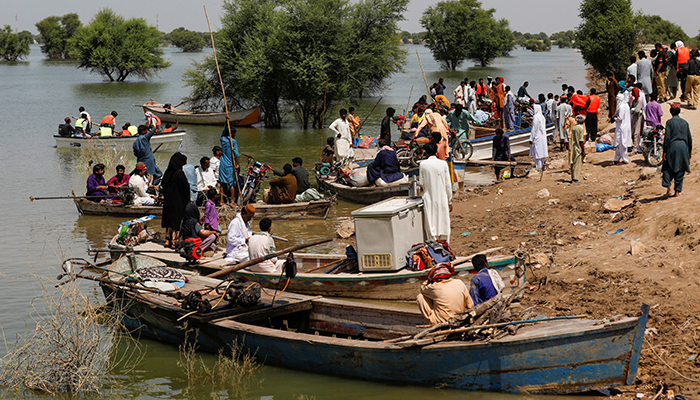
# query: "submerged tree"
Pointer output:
{"type": "Point", "coordinates": [11, 47]}
{"type": "Point", "coordinates": [276, 52]}
{"type": "Point", "coordinates": [606, 35]}
{"type": "Point", "coordinates": [56, 33]}
{"type": "Point", "coordinates": [186, 40]}
{"type": "Point", "coordinates": [116, 48]}
{"type": "Point", "coordinates": [457, 30]}
{"type": "Point", "coordinates": [653, 29]}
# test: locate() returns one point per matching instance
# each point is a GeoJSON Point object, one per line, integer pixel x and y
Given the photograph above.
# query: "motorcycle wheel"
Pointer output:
{"type": "Point", "coordinates": [462, 150]}
{"type": "Point", "coordinates": [404, 157]}
{"type": "Point", "coordinates": [418, 155]}
{"type": "Point", "coordinates": [654, 156]}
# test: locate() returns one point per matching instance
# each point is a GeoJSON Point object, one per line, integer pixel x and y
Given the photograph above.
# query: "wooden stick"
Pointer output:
{"type": "Point", "coordinates": [405, 112]}
{"type": "Point", "coordinates": [502, 324]}
{"type": "Point", "coordinates": [469, 257]}
{"type": "Point", "coordinates": [323, 120]}
{"type": "Point", "coordinates": [223, 91]}
{"type": "Point", "coordinates": [370, 111]}
{"type": "Point", "coordinates": [324, 266]}
{"type": "Point", "coordinates": [237, 267]}
{"type": "Point", "coordinates": [154, 151]}
{"type": "Point", "coordinates": [499, 163]}
{"type": "Point", "coordinates": [32, 198]}
{"type": "Point", "coordinates": [424, 79]}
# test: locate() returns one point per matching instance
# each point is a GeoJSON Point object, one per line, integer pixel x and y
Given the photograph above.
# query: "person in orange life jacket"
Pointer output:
{"type": "Point", "coordinates": [153, 122]}
{"type": "Point", "coordinates": [108, 121]}
{"type": "Point", "coordinates": [169, 128]}
{"type": "Point", "coordinates": [591, 106]}
{"type": "Point", "coordinates": [683, 55]}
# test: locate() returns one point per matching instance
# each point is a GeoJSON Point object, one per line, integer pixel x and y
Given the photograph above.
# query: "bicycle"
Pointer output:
{"type": "Point", "coordinates": [462, 149]}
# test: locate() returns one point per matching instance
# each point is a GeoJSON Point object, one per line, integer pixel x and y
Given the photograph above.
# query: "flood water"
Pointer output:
{"type": "Point", "coordinates": [35, 236]}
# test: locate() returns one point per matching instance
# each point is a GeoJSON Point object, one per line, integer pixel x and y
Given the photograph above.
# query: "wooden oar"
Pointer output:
{"type": "Point", "coordinates": [237, 267]}
{"type": "Point", "coordinates": [32, 198]}
{"type": "Point", "coordinates": [223, 92]}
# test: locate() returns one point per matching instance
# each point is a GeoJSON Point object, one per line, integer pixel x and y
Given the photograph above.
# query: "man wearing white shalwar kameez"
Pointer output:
{"type": "Point", "coordinates": [623, 130]}
{"type": "Point", "coordinates": [471, 99]}
{"type": "Point", "coordinates": [460, 94]}
{"type": "Point", "coordinates": [538, 138]}
{"type": "Point", "coordinates": [437, 195]}
{"type": "Point", "coordinates": [341, 129]}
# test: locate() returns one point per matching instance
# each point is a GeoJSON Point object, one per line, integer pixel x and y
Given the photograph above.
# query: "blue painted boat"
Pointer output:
{"type": "Point", "coordinates": [353, 340]}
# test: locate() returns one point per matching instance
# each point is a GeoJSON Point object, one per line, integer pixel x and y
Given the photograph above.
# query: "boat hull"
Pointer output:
{"type": "Point", "coordinates": [317, 209]}
{"type": "Point", "coordinates": [519, 143]}
{"type": "Point", "coordinates": [168, 142]}
{"type": "Point", "coordinates": [237, 118]}
{"type": "Point", "coordinates": [362, 195]}
{"type": "Point", "coordinates": [565, 356]}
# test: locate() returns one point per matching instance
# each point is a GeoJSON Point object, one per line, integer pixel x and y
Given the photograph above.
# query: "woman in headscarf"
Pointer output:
{"type": "Point", "coordinates": [176, 195]}
{"type": "Point", "coordinates": [435, 123]}
{"type": "Point", "coordinates": [509, 110]}
{"type": "Point", "coordinates": [192, 228]}
{"type": "Point", "coordinates": [538, 138]}
{"type": "Point", "coordinates": [623, 130]}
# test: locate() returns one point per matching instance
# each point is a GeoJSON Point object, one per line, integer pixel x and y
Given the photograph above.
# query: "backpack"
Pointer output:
{"type": "Point", "coordinates": [426, 255]}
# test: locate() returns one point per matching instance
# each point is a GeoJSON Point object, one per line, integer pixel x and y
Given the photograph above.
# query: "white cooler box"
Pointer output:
{"type": "Point", "coordinates": [385, 231]}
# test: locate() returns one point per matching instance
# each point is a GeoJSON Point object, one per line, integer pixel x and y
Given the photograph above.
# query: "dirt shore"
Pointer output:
{"type": "Point", "coordinates": [594, 271]}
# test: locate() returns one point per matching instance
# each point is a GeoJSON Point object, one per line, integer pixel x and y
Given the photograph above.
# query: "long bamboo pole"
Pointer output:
{"type": "Point", "coordinates": [405, 112]}
{"type": "Point", "coordinates": [424, 79]}
{"type": "Point", "coordinates": [248, 263]}
{"type": "Point", "coordinates": [223, 91]}
{"type": "Point", "coordinates": [323, 120]}
{"type": "Point", "coordinates": [371, 111]}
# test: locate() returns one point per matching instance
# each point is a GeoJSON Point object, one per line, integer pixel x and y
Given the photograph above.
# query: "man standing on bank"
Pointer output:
{"type": "Point", "coordinates": [678, 143]}
{"type": "Point", "coordinates": [437, 195]}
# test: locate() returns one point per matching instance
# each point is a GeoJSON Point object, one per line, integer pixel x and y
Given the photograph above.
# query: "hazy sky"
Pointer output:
{"type": "Point", "coordinates": [526, 16]}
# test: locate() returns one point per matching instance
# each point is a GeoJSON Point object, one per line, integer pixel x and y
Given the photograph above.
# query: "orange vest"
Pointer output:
{"type": "Point", "coordinates": [125, 132]}
{"type": "Point", "coordinates": [167, 130]}
{"type": "Point", "coordinates": [683, 56]}
{"type": "Point", "coordinates": [593, 106]}
{"type": "Point", "coordinates": [578, 100]}
{"type": "Point", "coordinates": [108, 120]}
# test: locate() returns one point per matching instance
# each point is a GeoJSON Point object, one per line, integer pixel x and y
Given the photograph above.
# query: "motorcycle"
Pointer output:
{"type": "Point", "coordinates": [253, 180]}
{"type": "Point", "coordinates": [652, 145]}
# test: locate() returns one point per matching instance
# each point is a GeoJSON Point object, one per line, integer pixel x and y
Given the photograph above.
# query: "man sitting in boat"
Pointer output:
{"type": "Point", "coordinates": [300, 173]}
{"type": "Point", "coordinates": [139, 181]}
{"type": "Point", "coordinates": [486, 283]}
{"type": "Point", "coordinates": [108, 121]}
{"type": "Point", "coordinates": [283, 190]}
{"type": "Point", "coordinates": [239, 234]}
{"type": "Point", "coordinates": [119, 180]}
{"type": "Point", "coordinates": [169, 128]}
{"type": "Point", "coordinates": [260, 245]}
{"type": "Point", "coordinates": [66, 129]}
{"type": "Point", "coordinates": [96, 185]}
{"type": "Point", "coordinates": [153, 122]}
{"type": "Point", "coordinates": [385, 170]}
{"type": "Point", "coordinates": [82, 129]}
{"type": "Point", "coordinates": [442, 297]}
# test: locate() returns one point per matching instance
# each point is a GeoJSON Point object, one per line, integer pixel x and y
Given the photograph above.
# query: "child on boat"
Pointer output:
{"type": "Point", "coordinates": [211, 216]}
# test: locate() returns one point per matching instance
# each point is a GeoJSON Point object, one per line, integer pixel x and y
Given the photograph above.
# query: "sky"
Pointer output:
{"type": "Point", "coordinates": [525, 16]}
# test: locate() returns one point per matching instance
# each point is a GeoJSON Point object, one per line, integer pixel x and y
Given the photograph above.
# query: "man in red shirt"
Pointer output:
{"type": "Point", "coordinates": [592, 105]}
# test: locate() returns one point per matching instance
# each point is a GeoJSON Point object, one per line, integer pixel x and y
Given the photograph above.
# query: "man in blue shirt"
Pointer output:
{"type": "Point", "coordinates": [486, 283]}
{"type": "Point", "coordinates": [144, 154]}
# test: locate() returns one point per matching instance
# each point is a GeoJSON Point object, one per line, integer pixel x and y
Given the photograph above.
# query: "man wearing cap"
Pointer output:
{"type": "Point", "coordinates": [66, 129]}
{"type": "Point", "coordinates": [678, 143]}
{"type": "Point", "coordinates": [139, 183]}
{"type": "Point", "coordinates": [239, 234]}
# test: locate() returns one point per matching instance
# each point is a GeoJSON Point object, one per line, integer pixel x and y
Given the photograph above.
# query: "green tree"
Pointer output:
{"type": "Point", "coordinates": [56, 33]}
{"type": "Point", "coordinates": [654, 29]}
{"type": "Point", "coordinates": [564, 38]}
{"type": "Point", "coordinates": [606, 35]}
{"type": "Point", "coordinates": [457, 30]}
{"type": "Point", "coordinates": [116, 48]}
{"type": "Point", "coordinates": [188, 41]}
{"type": "Point", "coordinates": [538, 45]}
{"type": "Point", "coordinates": [11, 47]}
{"type": "Point", "coordinates": [292, 47]}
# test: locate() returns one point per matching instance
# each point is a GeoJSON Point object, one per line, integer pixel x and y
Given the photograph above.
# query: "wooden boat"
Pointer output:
{"type": "Point", "coordinates": [314, 279]}
{"type": "Point", "coordinates": [168, 142]}
{"type": "Point", "coordinates": [238, 118]}
{"type": "Point", "coordinates": [316, 209]}
{"type": "Point", "coordinates": [355, 340]}
{"type": "Point", "coordinates": [362, 195]}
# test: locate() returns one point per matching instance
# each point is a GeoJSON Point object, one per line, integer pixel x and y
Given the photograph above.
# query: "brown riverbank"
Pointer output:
{"type": "Point", "coordinates": [654, 259]}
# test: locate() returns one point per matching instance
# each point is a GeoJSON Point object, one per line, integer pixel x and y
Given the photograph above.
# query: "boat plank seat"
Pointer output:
{"type": "Point", "coordinates": [280, 308]}
{"type": "Point", "coordinates": [380, 317]}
